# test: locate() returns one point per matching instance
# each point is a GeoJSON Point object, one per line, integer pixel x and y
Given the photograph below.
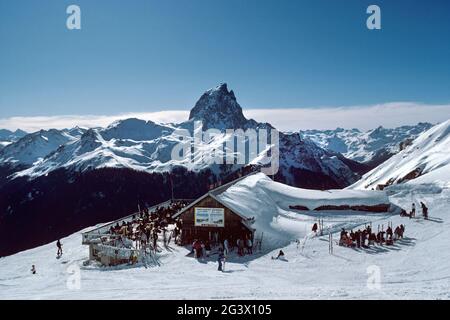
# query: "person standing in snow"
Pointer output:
{"type": "Point", "coordinates": [389, 232]}
{"type": "Point", "coordinates": [33, 269]}
{"type": "Point", "coordinates": [226, 247]}
{"type": "Point", "coordinates": [314, 228]}
{"type": "Point", "coordinates": [363, 238]}
{"type": "Point", "coordinates": [249, 245]}
{"type": "Point", "coordinates": [207, 249]}
{"type": "Point", "coordinates": [59, 246]}
{"type": "Point", "coordinates": [220, 258]}
{"type": "Point", "coordinates": [413, 211]}
{"type": "Point", "coordinates": [424, 210]}
{"type": "Point", "coordinates": [155, 239]}
{"type": "Point", "coordinates": [144, 240]}
{"type": "Point", "coordinates": [358, 238]}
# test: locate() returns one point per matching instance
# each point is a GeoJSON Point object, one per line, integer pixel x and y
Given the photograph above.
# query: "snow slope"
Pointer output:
{"type": "Point", "coordinates": [417, 267]}
{"type": "Point", "coordinates": [426, 160]}
{"type": "Point", "coordinates": [269, 202]}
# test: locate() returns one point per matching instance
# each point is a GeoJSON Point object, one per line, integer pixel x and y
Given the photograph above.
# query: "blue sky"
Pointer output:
{"type": "Point", "coordinates": [153, 55]}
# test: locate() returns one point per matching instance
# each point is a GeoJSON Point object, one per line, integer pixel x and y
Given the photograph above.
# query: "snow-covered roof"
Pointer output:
{"type": "Point", "coordinates": [214, 194]}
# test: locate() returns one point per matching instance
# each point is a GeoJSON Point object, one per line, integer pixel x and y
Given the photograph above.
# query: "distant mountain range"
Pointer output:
{"type": "Point", "coordinates": [146, 146]}
{"type": "Point", "coordinates": [7, 136]}
{"type": "Point", "coordinates": [425, 161]}
{"type": "Point", "coordinates": [370, 147]}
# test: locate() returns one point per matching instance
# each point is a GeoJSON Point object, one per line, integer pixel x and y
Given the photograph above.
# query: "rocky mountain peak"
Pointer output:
{"type": "Point", "coordinates": [219, 109]}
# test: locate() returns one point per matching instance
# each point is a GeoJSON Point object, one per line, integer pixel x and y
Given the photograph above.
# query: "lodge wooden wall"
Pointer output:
{"type": "Point", "coordinates": [232, 230]}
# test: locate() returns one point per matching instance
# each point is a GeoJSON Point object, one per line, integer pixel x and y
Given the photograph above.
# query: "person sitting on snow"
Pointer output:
{"type": "Point", "coordinates": [280, 255]}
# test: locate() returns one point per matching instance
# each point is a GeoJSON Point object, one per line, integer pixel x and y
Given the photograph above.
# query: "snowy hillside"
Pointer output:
{"type": "Point", "coordinates": [374, 145]}
{"type": "Point", "coordinates": [417, 267]}
{"type": "Point", "coordinates": [33, 147]}
{"type": "Point", "coordinates": [147, 146]}
{"type": "Point", "coordinates": [269, 202]}
{"type": "Point", "coordinates": [426, 160]}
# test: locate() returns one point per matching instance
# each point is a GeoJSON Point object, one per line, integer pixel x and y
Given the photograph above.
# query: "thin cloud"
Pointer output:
{"type": "Point", "coordinates": [362, 117]}
{"type": "Point", "coordinates": [32, 124]}
{"type": "Point", "coordinates": [388, 115]}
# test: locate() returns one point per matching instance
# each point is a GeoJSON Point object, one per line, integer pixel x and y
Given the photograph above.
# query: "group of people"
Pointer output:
{"type": "Point", "coordinates": [365, 238]}
{"type": "Point", "coordinates": [202, 249]}
{"type": "Point", "coordinates": [145, 227]}
{"type": "Point", "coordinates": [412, 213]}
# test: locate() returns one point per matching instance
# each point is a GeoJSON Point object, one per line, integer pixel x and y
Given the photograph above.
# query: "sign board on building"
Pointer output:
{"type": "Point", "coordinates": [209, 217]}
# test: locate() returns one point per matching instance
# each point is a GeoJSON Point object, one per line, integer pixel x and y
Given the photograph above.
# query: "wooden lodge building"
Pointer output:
{"type": "Point", "coordinates": [210, 219]}
{"type": "Point", "coordinates": [206, 218]}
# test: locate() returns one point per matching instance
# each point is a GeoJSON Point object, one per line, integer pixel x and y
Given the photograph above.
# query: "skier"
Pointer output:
{"type": "Point", "coordinates": [389, 232]}
{"type": "Point", "coordinates": [413, 211]}
{"type": "Point", "coordinates": [424, 210]}
{"type": "Point", "coordinates": [220, 258]}
{"type": "Point", "coordinates": [33, 269]}
{"type": "Point", "coordinates": [59, 246]}
{"type": "Point", "coordinates": [389, 240]}
{"type": "Point", "coordinates": [314, 228]}
{"type": "Point", "coordinates": [397, 233]}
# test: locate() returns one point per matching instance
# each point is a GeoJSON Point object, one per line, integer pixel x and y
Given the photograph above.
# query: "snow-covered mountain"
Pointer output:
{"type": "Point", "coordinates": [8, 137]}
{"type": "Point", "coordinates": [373, 146]}
{"type": "Point", "coordinates": [33, 148]}
{"type": "Point", "coordinates": [425, 160]}
{"type": "Point", "coordinates": [147, 146]}
{"type": "Point", "coordinates": [219, 109]}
